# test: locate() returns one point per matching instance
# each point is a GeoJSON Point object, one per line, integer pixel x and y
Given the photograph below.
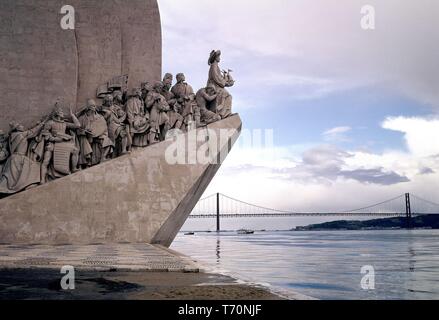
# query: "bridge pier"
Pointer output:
{"type": "Point", "coordinates": [218, 226]}
{"type": "Point", "coordinates": [408, 211]}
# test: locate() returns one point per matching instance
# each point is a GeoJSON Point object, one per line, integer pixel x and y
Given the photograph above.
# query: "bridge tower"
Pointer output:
{"type": "Point", "coordinates": [408, 211]}
{"type": "Point", "coordinates": [218, 227]}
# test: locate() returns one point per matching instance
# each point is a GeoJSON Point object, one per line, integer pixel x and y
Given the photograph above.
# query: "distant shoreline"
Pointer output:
{"type": "Point", "coordinates": [423, 222]}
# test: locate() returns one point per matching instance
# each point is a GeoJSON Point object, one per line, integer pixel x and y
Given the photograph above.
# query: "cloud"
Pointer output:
{"type": "Point", "coordinates": [421, 134]}
{"type": "Point", "coordinates": [337, 130]}
{"type": "Point", "coordinates": [374, 176]}
{"type": "Point", "coordinates": [337, 134]}
{"type": "Point", "coordinates": [320, 178]}
{"type": "Point", "coordinates": [326, 163]}
{"type": "Point", "coordinates": [426, 170]}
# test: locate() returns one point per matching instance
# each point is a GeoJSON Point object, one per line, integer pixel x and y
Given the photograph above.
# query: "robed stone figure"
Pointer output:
{"type": "Point", "coordinates": [219, 81]}
{"type": "Point", "coordinates": [20, 171]}
{"type": "Point", "coordinates": [94, 143]}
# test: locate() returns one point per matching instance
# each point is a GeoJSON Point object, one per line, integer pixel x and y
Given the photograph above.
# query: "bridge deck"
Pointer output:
{"type": "Point", "coordinates": [283, 215]}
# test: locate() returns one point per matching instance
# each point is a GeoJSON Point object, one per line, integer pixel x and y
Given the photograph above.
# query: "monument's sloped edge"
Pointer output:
{"type": "Point", "coordinates": [169, 230]}
{"type": "Point", "coordinates": [135, 198]}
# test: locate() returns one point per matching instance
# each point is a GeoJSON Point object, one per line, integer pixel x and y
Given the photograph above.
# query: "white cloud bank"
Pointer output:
{"type": "Point", "coordinates": [421, 134]}
{"type": "Point", "coordinates": [324, 177]}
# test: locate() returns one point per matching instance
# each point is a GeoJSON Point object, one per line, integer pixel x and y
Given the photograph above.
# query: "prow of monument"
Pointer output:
{"type": "Point", "coordinates": [95, 146]}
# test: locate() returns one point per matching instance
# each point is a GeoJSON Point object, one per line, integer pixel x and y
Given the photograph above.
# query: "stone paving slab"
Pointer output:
{"type": "Point", "coordinates": [115, 257]}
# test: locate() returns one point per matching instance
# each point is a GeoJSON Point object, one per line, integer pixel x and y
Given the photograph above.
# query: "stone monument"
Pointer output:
{"type": "Point", "coordinates": [133, 155]}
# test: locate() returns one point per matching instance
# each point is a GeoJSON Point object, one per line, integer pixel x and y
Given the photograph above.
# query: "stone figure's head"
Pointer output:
{"type": "Point", "coordinates": [181, 77]}
{"type": "Point", "coordinates": [215, 56]}
{"type": "Point", "coordinates": [15, 126]}
{"type": "Point", "coordinates": [158, 86]}
{"type": "Point", "coordinates": [117, 96]}
{"type": "Point", "coordinates": [108, 100]}
{"type": "Point", "coordinates": [167, 81]}
{"type": "Point", "coordinates": [136, 92]}
{"type": "Point", "coordinates": [146, 87]}
{"type": "Point", "coordinates": [190, 97]}
{"type": "Point", "coordinates": [91, 105]}
{"type": "Point", "coordinates": [58, 112]}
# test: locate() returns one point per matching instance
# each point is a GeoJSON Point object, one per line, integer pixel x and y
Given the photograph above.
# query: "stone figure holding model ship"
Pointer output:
{"type": "Point", "coordinates": [220, 80]}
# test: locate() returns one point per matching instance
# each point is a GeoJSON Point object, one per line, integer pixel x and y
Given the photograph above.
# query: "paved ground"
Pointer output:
{"type": "Point", "coordinates": [117, 257]}
{"type": "Point", "coordinates": [44, 284]}
{"type": "Point", "coordinates": [119, 271]}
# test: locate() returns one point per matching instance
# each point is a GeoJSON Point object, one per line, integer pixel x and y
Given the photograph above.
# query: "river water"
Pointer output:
{"type": "Point", "coordinates": [326, 264]}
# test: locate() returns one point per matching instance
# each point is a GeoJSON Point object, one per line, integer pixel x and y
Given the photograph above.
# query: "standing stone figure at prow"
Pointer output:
{"type": "Point", "coordinates": [220, 80]}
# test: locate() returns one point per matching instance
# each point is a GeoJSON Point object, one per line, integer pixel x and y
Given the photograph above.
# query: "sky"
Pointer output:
{"type": "Point", "coordinates": [354, 113]}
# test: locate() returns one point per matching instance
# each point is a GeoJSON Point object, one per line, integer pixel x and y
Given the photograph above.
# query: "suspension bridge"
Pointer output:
{"type": "Point", "coordinates": [219, 206]}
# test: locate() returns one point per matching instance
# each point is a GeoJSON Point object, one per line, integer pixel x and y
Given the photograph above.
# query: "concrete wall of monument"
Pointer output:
{"type": "Point", "coordinates": [40, 62]}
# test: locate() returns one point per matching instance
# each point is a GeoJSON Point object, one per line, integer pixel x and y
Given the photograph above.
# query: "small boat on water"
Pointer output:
{"type": "Point", "coordinates": [189, 234]}
{"type": "Point", "coordinates": [245, 231]}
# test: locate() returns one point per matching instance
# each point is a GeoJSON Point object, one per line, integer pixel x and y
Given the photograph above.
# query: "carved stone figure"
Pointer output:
{"type": "Point", "coordinates": [158, 107]}
{"type": "Point", "coordinates": [95, 145]}
{"type": "Point", "coordinates": [191, 113]}
{"type": "Point", "coordinates": [167, 85]}
{"type": "Point", "coordinates": [220, 80]}
{"type": "Point", "coordinates": [175, 118]}
{"type": "Point", "coordinates": [118, 131]}
{"type": "Point", "coordinates": [181, 89]}
{"type": "Point", "coordinates": [118, 98]}
{"type": "Point", "coordinates": [137, 118]}
{"type": "Point", "coordinates": [185, 97]}
{"type": "Point", "coordinates": [204, 99]}
{"type": "Point", "coordinates": [60, 149]}
{"type": "Point", "coordinates": [20, 171]}
{"type": "Point", "coordinates": [4, 152]}
{"type": "Point", "coordinates": [146, 88]}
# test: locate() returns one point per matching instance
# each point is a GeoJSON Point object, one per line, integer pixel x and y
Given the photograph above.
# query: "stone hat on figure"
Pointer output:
{"type": "Point", "coordinates": [213, 55]}
{"type": "Point", "coordinates": [168, 76]}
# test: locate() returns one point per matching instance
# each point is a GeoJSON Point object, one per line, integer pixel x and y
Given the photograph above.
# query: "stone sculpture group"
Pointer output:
{"type": "Point", "coordinates": [59, 145]}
